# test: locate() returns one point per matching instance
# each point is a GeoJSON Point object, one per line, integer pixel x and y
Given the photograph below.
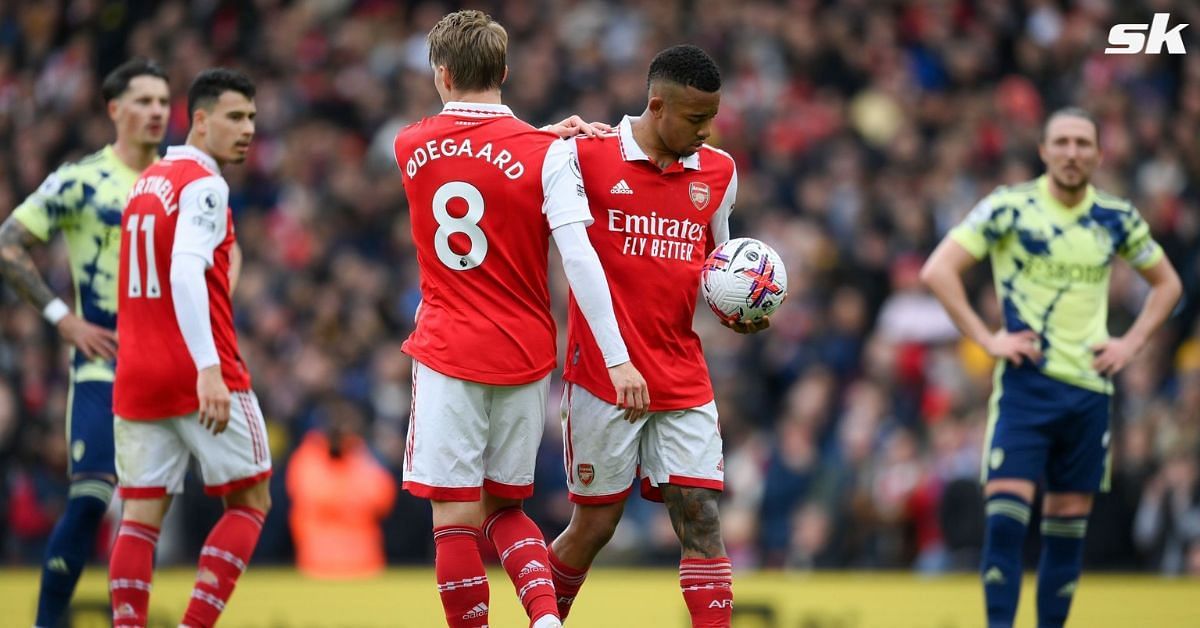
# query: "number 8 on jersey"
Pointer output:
{"type": "Point", "coordinates": [467, 225]}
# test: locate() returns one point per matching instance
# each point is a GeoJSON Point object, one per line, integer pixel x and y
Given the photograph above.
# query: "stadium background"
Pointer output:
{"type": "Point", "coordinates": [862, 131]}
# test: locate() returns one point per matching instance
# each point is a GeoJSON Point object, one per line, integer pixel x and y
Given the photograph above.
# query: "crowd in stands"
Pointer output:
{"type": "Point", "coordinates": [862, 131]}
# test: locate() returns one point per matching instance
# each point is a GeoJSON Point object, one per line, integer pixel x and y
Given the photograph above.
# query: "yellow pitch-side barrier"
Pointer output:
{"type": "Point", "coordinates": [406, 598]}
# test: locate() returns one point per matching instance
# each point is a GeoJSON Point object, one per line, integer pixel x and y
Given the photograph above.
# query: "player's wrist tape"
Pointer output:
{"type": "Point", "coordinates": [55, 311]}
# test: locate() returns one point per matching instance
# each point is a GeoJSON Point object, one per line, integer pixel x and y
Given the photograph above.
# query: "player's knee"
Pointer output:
{"type": "Point", "coordinates": [146, 511]}
{"type": "Point", "coordinates": [696, 516]}
{"type": "Point", "coordinates": [457, 513]}
{"type": "Point", "coordinates": [264, 504]}
{"type": "Point", "coordinates": [257, 497]}
{"type": "Point", "coordinates": [595, 525]}
{"type": "Point", "coordinates": [705, 522]}
{"type": "Point", "coordinates": [493, 504]}
{"type": "Point", "coordinates": [104, 478]}
{"type": "Point", "coordinates": [1021, 488]}
{"type": "Point", "coordinates": [1067, 505]}
{"type": "Point", "coordinates": [260, 501]}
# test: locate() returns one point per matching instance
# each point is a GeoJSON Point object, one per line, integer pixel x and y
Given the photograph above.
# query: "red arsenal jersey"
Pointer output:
{"type": "Point", "coordinates": [484, 190]}
{"type": "Point", "coordinates": [653, 229]}
{"type": "Point", "coordinates": [156, 377]}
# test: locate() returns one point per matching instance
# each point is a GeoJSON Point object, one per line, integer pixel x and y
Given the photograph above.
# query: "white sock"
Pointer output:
{"type": "Point", "coordinates": [547, 621]}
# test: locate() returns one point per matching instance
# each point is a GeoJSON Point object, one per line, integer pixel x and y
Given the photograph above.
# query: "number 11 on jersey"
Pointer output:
{"type": "Point", "coordinates": [153, 291]}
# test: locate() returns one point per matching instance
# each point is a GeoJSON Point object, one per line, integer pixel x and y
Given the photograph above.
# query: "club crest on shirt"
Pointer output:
{"type": "Point", "coordinates": [698, 192]}
{"type": "Point", "coordinates": [586, 473]}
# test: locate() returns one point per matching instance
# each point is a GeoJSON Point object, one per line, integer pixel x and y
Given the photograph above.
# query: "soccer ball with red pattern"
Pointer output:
{"type": "Point", "coordinates": [743, 279]}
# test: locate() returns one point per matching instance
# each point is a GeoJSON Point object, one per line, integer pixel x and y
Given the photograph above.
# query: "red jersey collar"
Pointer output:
{"type": "Point", "coordinates": [476, 109]}
{"type": "Point", "coordinates": [187, 151]}
{"type": "Point", "coordinates": [630, 150]}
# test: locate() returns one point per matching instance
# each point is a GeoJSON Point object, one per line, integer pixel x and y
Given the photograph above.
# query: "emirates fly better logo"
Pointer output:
{"type": "Point", "coordinates": [1128, 39]}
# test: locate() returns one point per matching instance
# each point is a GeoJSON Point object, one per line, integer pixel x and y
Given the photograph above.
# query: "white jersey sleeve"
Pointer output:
{"type": "Point", "coordinates": [203, 212]}
{"type": "Point", "coordinates": [189, 291]}
{"type": "Point", "coordinates": [720, 219]}
{"type": "Point", "coordinates": [586, 277]}
{"type": "Point", "coordinates": [562, 186]}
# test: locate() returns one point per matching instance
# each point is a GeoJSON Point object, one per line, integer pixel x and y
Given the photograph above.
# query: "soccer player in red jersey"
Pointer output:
{"type": "Point", "coordinates": [486, 193]}
{"type": "Point", "coordinates": [181, 386]}
{"type": "Point", "coordinates": [83, 200]}
{"type": "Point", "coordinates": [661, 200]}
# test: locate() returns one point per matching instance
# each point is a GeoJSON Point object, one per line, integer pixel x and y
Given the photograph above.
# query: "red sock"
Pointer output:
{"type": "Point", "coordinates": [707, 585]}
{"type": "Point", "coordinates": [567, 582]}
{"type": "Point", "coordinates": [226, 553]}
{"type": "Point", "coordinates": [522, 551]}
{"type": "Point", "coordinates": [130, 571]}
{"type": "Point", "coordinates": [462, 582]}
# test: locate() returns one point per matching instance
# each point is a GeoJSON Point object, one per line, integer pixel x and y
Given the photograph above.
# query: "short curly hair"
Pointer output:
{"type": "Point", "coordinates": [685, 65]}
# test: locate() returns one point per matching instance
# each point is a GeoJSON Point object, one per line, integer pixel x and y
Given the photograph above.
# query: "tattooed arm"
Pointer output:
{"type": "Point", "coordinates": [18, 269]}
{"type": "Point", "coordinates": [17, 266]}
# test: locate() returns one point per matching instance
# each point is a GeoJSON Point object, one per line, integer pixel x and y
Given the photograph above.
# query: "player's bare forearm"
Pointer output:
{"type": "Point", "coordinates": [235, 266]}
{"type": "Point", "coordinates": [942, 274]}
{"type": "Point", "coordinates": [17, 267]}
{"type": "Point", "coordinates": [1165, 291]}
{"type": "Point", "coordinates": [696, 519]}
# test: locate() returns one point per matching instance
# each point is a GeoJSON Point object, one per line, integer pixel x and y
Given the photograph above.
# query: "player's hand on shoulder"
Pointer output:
{"type": "Point", "coordinates": [214, 399]}
{"type": "Point", "coordinates": [93, 340]}
{"type": "Point", "coordinates": [1015, 347]}
{"type": "Point", "coordinates": [748, 327]}
{"type": "Point", "coordinates": [1113, 354]}
{"type": "Point", "coordinates": [576, 125]}
{"type": "Point", "coordinates": [632, 393]}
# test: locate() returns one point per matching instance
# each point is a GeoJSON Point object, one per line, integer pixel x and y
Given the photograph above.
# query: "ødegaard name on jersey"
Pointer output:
{"type": "Point", "coordinates": [433, 150]}
{"type": "Point", "coordinates": [657, 236]}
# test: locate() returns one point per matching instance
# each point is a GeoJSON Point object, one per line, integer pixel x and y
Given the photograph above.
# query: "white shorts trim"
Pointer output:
{"type": "Point", "coordinates": [465, 436]}
{"type": "Point", "coordinates": [152, 456]}
{"type": "Point", "coordinates": [603, 453]}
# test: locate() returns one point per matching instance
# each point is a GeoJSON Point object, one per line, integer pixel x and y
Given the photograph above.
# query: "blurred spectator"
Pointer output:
{"type": "Point", "coordinates": [340, 494]}
{"type": "Point", "coordinates": [1168, 519]}
{"type": "Point", "coordinates": [37, 495]}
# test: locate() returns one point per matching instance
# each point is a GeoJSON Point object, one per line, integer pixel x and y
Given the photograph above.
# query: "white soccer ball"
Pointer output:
{"type": "Point", "coordinates": [743, 279]}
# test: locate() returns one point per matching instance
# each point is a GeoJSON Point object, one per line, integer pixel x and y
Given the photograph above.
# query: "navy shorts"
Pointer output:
{"type": "Point", "coordinates": [1040, 428]}
{"type": "Point", "coordinates": [90, 429]}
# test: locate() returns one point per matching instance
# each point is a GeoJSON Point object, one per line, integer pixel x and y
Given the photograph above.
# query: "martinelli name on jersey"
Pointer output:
{"type": "Point", "coordinates": [160, 187]}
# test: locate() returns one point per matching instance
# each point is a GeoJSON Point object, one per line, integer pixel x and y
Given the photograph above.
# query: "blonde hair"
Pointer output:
{"type": "Point", "coordinates": [473, 48]}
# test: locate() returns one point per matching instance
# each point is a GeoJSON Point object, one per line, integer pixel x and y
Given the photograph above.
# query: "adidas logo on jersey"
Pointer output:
{"type": "Point", "coordinates": [621, 188]}
{"type": "Point", "coordinates": [480, 610]}
{"type": "Point", "coordinates": [531, 567]}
